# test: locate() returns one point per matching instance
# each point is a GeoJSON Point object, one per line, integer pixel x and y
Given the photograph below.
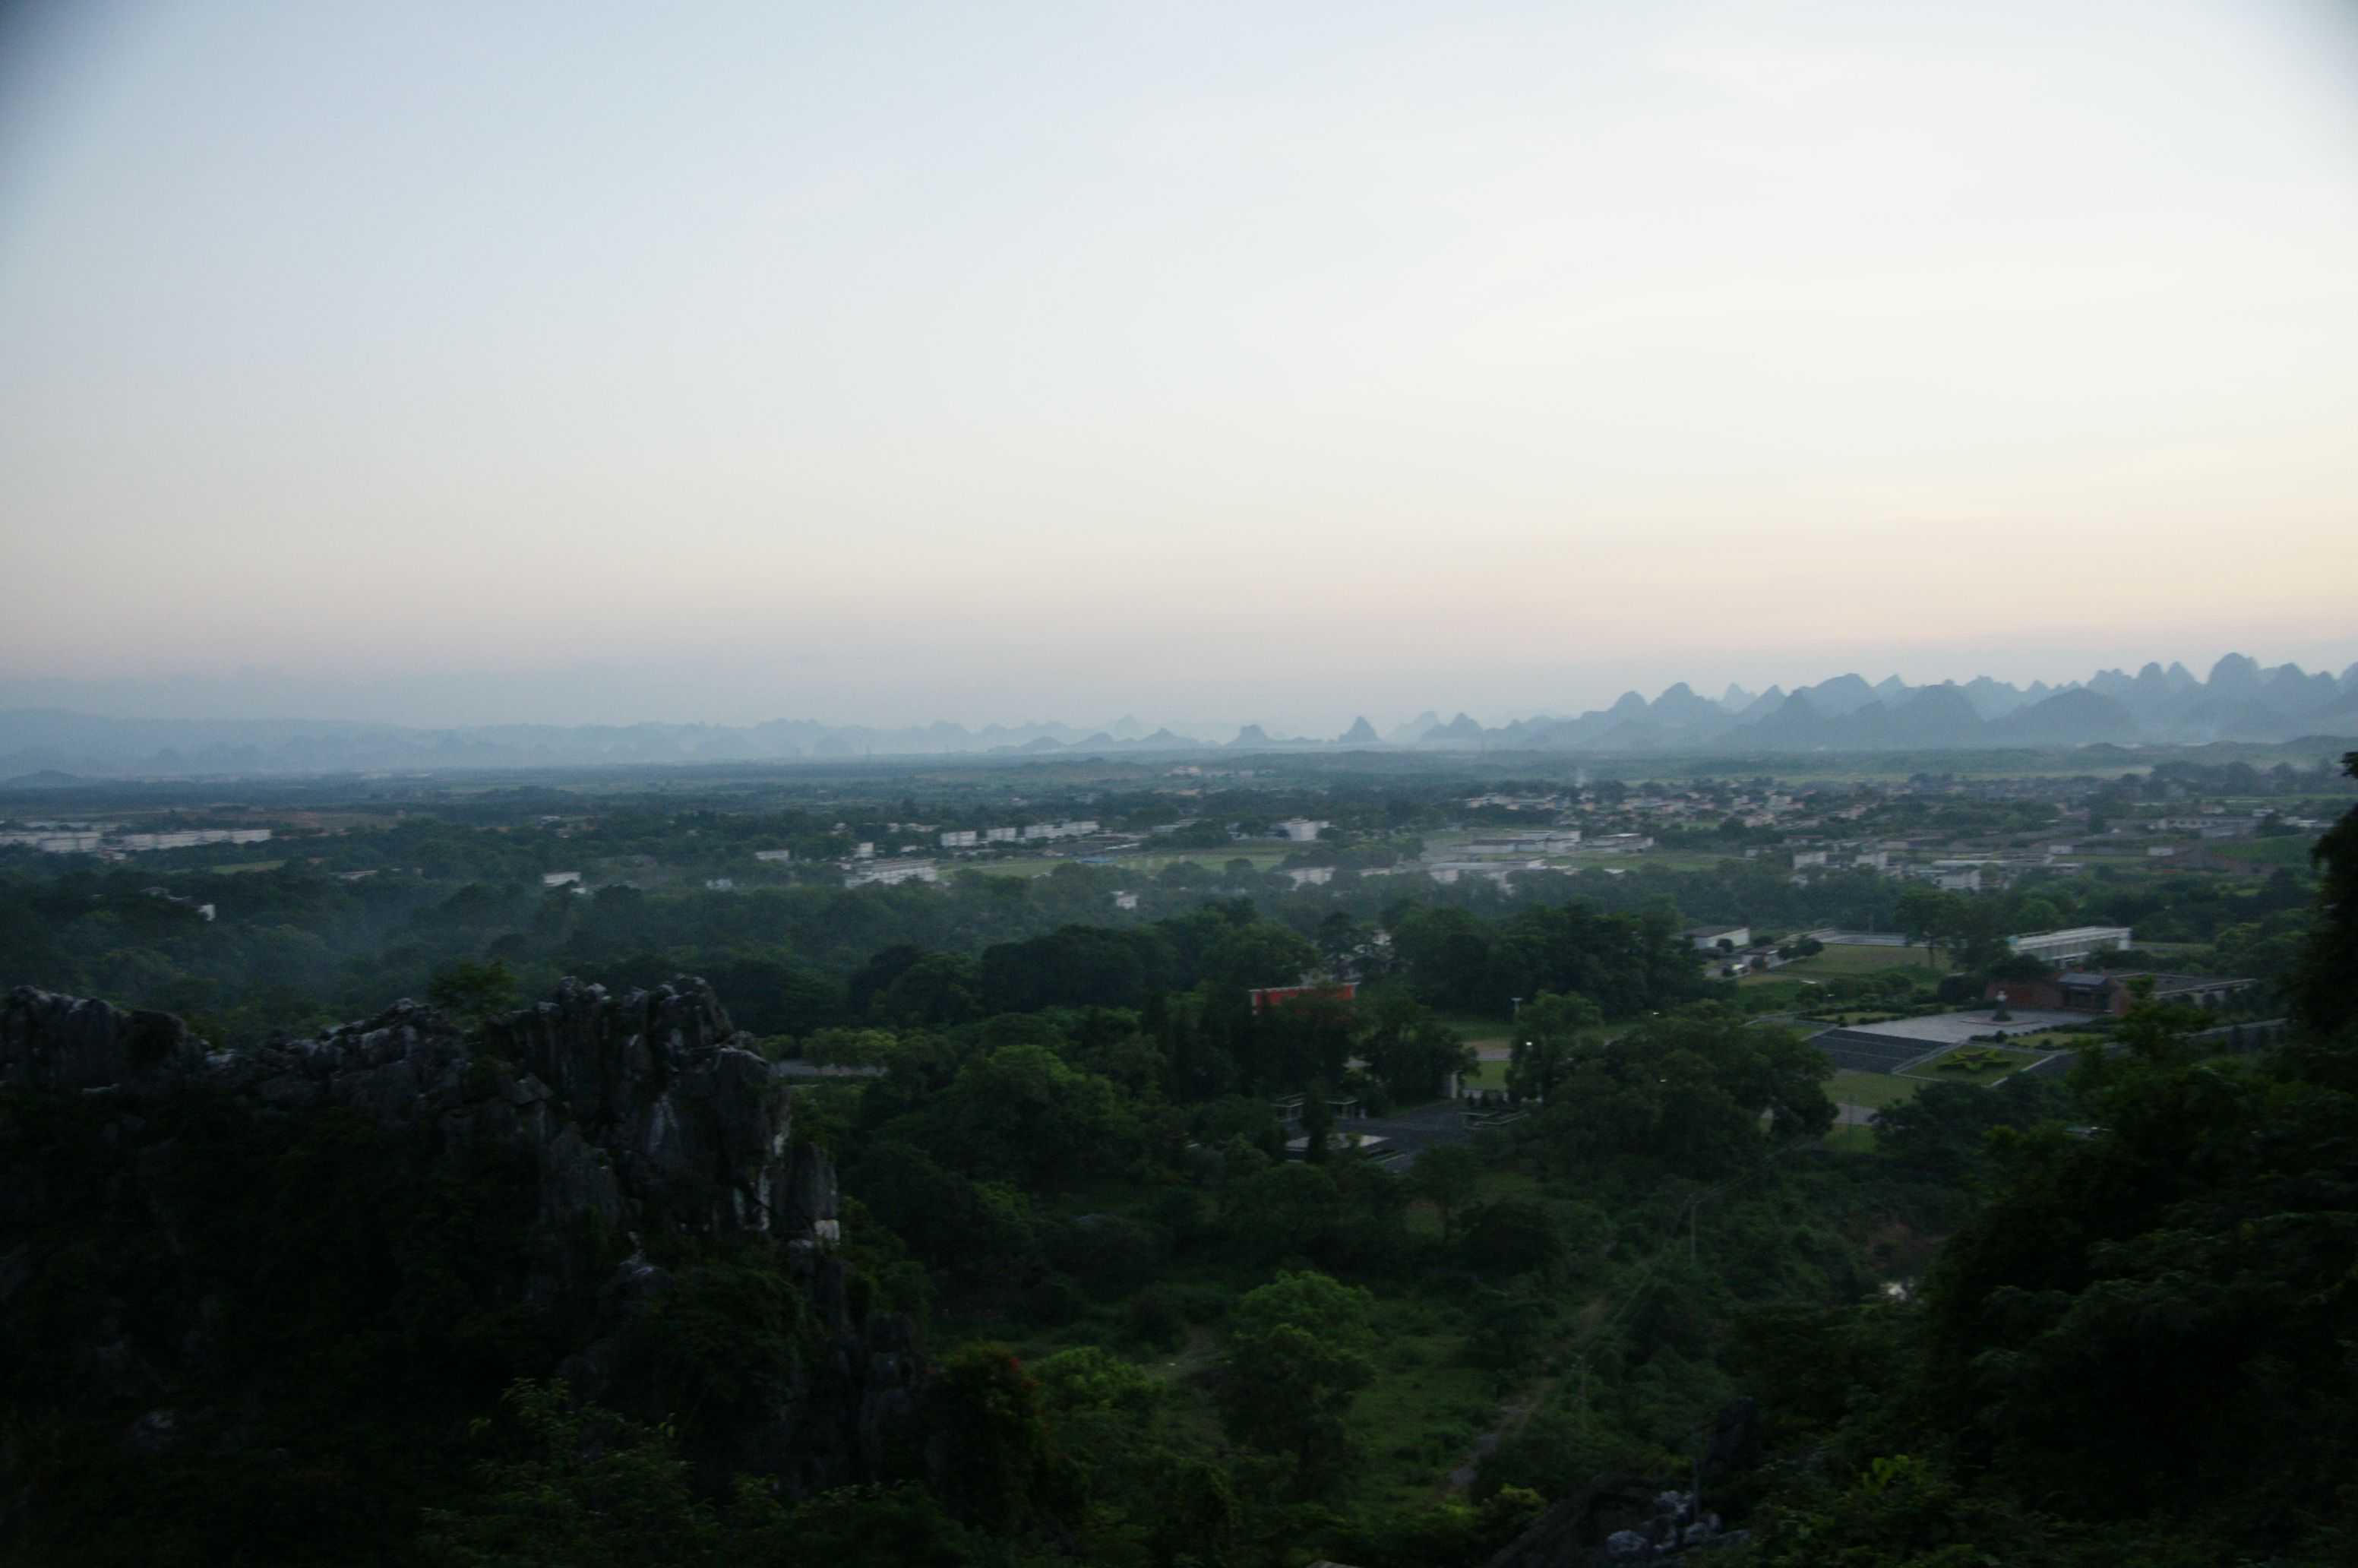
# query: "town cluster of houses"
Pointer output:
{"type": "Point", "coordinates": [104, 840]}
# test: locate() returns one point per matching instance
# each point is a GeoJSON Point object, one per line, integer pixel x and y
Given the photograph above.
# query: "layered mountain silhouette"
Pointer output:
{"type": "Point", "coordinates": [2239, 700]}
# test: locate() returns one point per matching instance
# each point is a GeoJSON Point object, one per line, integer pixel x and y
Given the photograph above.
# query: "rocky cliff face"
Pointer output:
{"type": "Point", "coordinates": [626, 1127]}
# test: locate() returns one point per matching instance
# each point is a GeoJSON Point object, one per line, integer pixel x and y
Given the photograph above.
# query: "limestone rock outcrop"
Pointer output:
{"type": "Point", "coordinates": [634, 1118]}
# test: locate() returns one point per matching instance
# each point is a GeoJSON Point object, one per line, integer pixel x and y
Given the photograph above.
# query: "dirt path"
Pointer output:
{"type": "Point", "coordinates": [1511, 1414]}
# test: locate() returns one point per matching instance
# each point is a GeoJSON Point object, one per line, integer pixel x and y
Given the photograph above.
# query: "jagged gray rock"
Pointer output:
{"type": "Point", "coordinates": [643, 1106]}
{"type": "Point", "coordinates": [644, 1114]}
{"type": "Point", "coordinates": [1616, 1520]}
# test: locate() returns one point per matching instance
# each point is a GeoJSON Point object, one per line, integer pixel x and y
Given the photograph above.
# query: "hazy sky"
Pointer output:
{"type": "Point", "coordinates": [884, 362]}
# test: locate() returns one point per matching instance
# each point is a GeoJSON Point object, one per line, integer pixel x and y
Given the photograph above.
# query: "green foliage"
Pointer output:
{"type": "Point", "coordinates": [1018, 1114]}
{"type": "Point", "coordinates": [1901, 1512]}
{"type": "Point", "coordinates": [1686, 1095]}
{"type": "Point", "coordinates": [1512, 1236]}
{"type": "Point", "coordinates": [1448, 1176]}
{"type": "Point", "coordinates": [591, 1490]}
{"type": "Point", "coordinates": [2141, 1332]}
{"type": "Point", "coordinates": [1000, 1465]}
{"type": "Point", "coordinates": [1937, 1134]}
{"type": "Point", "coordinates": [2177, 1265]}
{"type": "Point", "coordinates": [1296, 1358]}
{"type": "Point", "coordinates": [1548, 1032]}
{"type": "Point", "coordinates": [1624, 963]}
{"type": "Point", "coordinates": [1089, 1378]}
{"type": "Point", "coordinates": [1506, 1328]}
{"type": "Point", "coordinates": [2324, 988]}
{"type": "Point", "coordinates": [854, 1526]}
{"type": "Point", "coordinates": [725, 1340]}
{"type": "Point", "coordinates": [474, 991]}
{"type": "Point", "coordinates": [1409, 1049]}
{"type": "Point", "coordinates": [1450, 1536]}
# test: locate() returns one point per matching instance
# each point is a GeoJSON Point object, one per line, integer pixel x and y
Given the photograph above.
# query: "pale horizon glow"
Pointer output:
{"type": "Point", "coordinates": [451, 364]}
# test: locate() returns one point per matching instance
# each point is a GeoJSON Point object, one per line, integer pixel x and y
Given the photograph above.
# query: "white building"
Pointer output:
{"type": "Point", "coordinates": [999, 834]}
{"type": "Point", "coordinates": [1717, 938]}
{"type": "Point", "coordinates": [779, 856]}
{"type": "Point", "coordinates": [71, 843]}
{"type": "Point", "coordinates": [720, 884]}
{"type": "Point", "coordinates": [1301, 830]}
{"type": "Point", "coordinates": [963, 838]}
{"type": "Point", "coordinates": [1616, 844]}
{"type": "Point", "coordinates": [1552, 843]}
{"type": "Point", "coordinates": [1448, 871]}
{"type": "Point", "coordinates": [558, 878]}
{"type": "Point", "coordinates": [1054, 830]}
{"type": "Point", "coordinates": [1808, 858]}
{"type": "Point", "coordinates": [891, 873]}
{"type": "Point", "coordinates": [2077, 942]}
{"type": "Point", "coordinates": [190, 839]}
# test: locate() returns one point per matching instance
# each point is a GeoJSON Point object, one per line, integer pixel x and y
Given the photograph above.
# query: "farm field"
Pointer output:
{"type": "Point", "coordinates": [2288, 851]}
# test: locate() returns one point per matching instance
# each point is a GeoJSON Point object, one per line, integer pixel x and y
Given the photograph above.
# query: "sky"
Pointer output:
{"type": "Point", "coordinates": [448, 362]}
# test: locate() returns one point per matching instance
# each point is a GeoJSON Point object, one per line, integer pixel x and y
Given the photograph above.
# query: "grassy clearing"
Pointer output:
{"type": "Point", "coordinates": [1851, 1140]}
{"type": "Point", "coordinates": [1476, 1029]}
{"type": "Point", "coordinates": [1772, 992]}
{"type": "Point", "coordinates": [1849, 960]}
{"type": "Point", "coordinates": [1425, 1407]}
{"type": "Point", "coordinates": [2292, 850]}
{"type": "Point", "coordinates": [236, 866]}
{"type": "Point", "coordinates": [1874, 1091]}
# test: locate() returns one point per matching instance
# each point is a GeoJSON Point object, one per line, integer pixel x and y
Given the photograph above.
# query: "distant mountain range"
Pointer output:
{"type": "Point", "coordinates": [2239, 700]}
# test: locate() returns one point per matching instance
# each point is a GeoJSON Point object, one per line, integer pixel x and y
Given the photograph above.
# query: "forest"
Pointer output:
{"type": "Point", "coordinates": [2094, 1317]}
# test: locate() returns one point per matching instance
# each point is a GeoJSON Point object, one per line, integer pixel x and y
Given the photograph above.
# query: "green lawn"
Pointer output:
{"type": "Point", "coordinates": [1767, 993]}
{"type": "Point", "coordinates": [2051, 1040]}
{"type": "Point", "coordinates": [236, 866]}
{"type": "Point", "coordinates": [1996, 1061]}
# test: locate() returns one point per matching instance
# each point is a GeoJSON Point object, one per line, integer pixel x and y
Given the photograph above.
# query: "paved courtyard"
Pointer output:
{"type": "Point", "coordinates": [1443, 1121]}
{"type": "Point", "coordinates": [1957, 1028]}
